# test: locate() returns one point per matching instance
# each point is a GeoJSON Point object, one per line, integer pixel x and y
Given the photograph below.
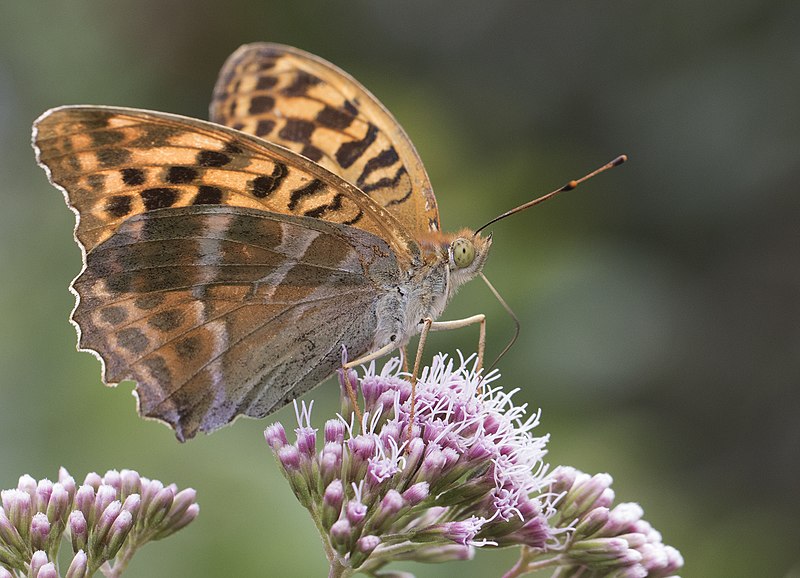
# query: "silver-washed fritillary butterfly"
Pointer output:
{"type": "Point", "coordinates": [227, 263]}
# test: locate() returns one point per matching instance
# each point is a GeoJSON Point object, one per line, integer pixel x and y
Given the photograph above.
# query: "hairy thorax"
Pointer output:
{"type": "Point", "coordinates": [426, 287]}
{"type": "Point", "coordinates": [424, 294]}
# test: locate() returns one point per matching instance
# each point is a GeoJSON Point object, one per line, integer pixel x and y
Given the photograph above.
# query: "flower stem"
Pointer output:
{"type": "Point", "coordinates": [121, 563]}
{"type": "Point", "coordinates": [527, 564]}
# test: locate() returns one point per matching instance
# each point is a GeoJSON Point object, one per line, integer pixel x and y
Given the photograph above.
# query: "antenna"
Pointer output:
{"type": "Point", "coordinates": [568, 187]}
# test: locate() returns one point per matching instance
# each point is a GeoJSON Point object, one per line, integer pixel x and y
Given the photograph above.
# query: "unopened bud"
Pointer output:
{"type": "Point", "coordinates": [116, 535]}
{"type": "Point", "coordinates": [131, 483]}
{"type": "Point", "coordinates": [275, 436]}
{"type": "Point", "coordinates": [364, 547]}
{"type": "Point", "coordinates": [78, 531]}
{"type": "Point", "coordinates": [332, 501]}
{"type": "Point", "coordinates": [341, 535]}
{"type": "Point", "coordinates": [43, 491]}
{"type": "Point", "coordinates": [38, 561]}
{"type": "Point", "coordinates": [46, 571]}
{"type": "Point", "coordinates": [40, 531]}
{"type": "Point", "coordinates": [79, 566]}
{"type": "Point", "coordinates": [58, 505]}
{"type": "Point", "coordinates": [84, 502]}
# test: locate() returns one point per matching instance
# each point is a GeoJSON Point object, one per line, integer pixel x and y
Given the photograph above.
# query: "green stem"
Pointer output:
{"type": "Point", "coordinates": [121, 562]}
{"type": "Point", "coordinates": [337, 570]}
{"type": "Point", "coordinates": [330, 554]}
{"type": "Point", "coordinates": [527, 564]}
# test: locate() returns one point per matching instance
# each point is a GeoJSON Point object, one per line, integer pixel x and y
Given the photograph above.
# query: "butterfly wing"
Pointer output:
{"type": "Point", "coordinates": [220, 311]}
{"type": "Point", "coordinates": [114, 163]}
{"type": "Point", "coordinates": [208, 277]}
{"type": "Point", "coordinates": [307, 104]}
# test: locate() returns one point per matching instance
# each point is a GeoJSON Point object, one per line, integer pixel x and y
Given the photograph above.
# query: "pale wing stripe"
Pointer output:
{"type": "Point", "coordinates": [251, 386]}
{"type": "Point", "coordinates": [338, 342]}
{"type": "Point", "coordinates": [217, 318]}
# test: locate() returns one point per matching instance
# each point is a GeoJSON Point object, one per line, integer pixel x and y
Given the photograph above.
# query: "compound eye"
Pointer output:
{"type": "Point", "coordinates": [463, 252]}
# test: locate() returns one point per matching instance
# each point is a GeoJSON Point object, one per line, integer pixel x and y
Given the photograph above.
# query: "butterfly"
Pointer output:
{"type": "Point", "coordinates": [227, 263]}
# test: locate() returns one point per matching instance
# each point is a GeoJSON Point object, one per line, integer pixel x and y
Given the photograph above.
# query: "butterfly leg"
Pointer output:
{"type": "Point", "coordinates": [351, 393]}
{"type": "Point", "coordinates": [427, 323]}
{"type": "Point", "coordinates": [431, 325]}
{"type": "Point", "coordinates": [467, 321]}
{"type": "Point", "coordinates": [388, 348]}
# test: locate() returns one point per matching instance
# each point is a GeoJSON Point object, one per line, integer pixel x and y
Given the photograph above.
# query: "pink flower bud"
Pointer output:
{"type": "Point", "coordinates": [416, 493]}
{"type": "Point", "coordinates": [159, 507]}
{"type": "Point", "coordinates": [105, 495]}
{"type": "Point", "coordinates": [289, 457]}
{"type": "Point", "coordinates": [341, 534]}
{"type": "Point", "coordinates": [118, 533]}
{"type": "Point", "coordinates": [19, 508]}
{"type": "Point", "coordinates": [306, 441]}
{"type": "Point", "coordinates": [38, 561]}
{"type": "Point", "coordinates": [104, 522]}
{"type": "Point", "coordinates": [133, 504]}
{"type": "Point", "coordinates": [67, 482]}
{"type": "Point", "coordinates": [79, 566]}
{"type": "Point", "coordinates": [355, 512]}
{"type": "Point", "coordinates": [131, 483]}
{"type": "Point", "coordinates": [84, 501]}
{"type": "Point", "coordinates": [112, 478]}
{"type": "Point", "coordinates": [40, 531]}
{"type": "Point", "coordinates": [79, 530]}
{"type": "Point", "coordinates": [58, 505]}
{"type": "Point", "coordinates": [47, 571]}
{"type": "Point", "coordinates": [28, 485]}
{"type": "Point", "coordinates": [93, 479]}
{"type": "Point", "coordinates": [275, 436]}
{"type": "Point", "coordinates": [334, 431]}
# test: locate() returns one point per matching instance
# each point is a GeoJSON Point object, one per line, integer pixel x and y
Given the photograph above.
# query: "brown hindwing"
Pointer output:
{"type": "Point", "coordinates": [220, 311]}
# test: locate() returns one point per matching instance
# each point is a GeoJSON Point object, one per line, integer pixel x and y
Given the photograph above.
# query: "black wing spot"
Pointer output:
{"type": "Point", "coordinates": [298, 194]}
{"type": "Point", "coordinates": [261, 104]}
{"type": "Point", "coordinates": [334, 118]}
{"type": "Point", "coordinates": [297, 130]}
{"type": "Point", "coordinates": [266, 82]}
{"type": "Point", "coordinates": [159, 198]}
{"type": "Point", "coordinates": [301, 84]}
{"type": "Point", "coordinates": [212, 159]}
{"type": "Point", "coordinates": [118, 205]}
{"type": "Point", "coordinates": [264, 127]}
{"type": "Point", "coordinates": [350, 152]}
{"type": "Point", "coordinates": [178, 175]}
{"type": "Point", "coordinates": [207, 195]}
{"type": "Point", "coordinates": [263, 185]}
{"type": "Point", "coordinates": [132, 177]}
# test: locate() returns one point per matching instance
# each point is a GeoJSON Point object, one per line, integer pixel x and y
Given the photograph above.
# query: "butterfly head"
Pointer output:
{"type": "Point", "coordinates": [466, 255]}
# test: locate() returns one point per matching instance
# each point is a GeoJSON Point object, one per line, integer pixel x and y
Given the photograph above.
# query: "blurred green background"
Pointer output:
{"type": "Point", "coordinates": [660, 303]}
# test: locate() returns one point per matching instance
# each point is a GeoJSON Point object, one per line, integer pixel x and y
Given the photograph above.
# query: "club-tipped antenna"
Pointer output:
{"type": "Point", "coordinates": [567, 187]}
{"type": "Point", "coordinates": [517, 324]}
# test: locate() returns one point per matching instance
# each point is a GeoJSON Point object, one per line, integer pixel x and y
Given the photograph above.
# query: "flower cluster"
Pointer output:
{"type": "Point", "coordinates": [604, 540]}
{"type": "Point", "coordinates": [106, 520]}
{"type": "Point", "coordinates": [468, 472]}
